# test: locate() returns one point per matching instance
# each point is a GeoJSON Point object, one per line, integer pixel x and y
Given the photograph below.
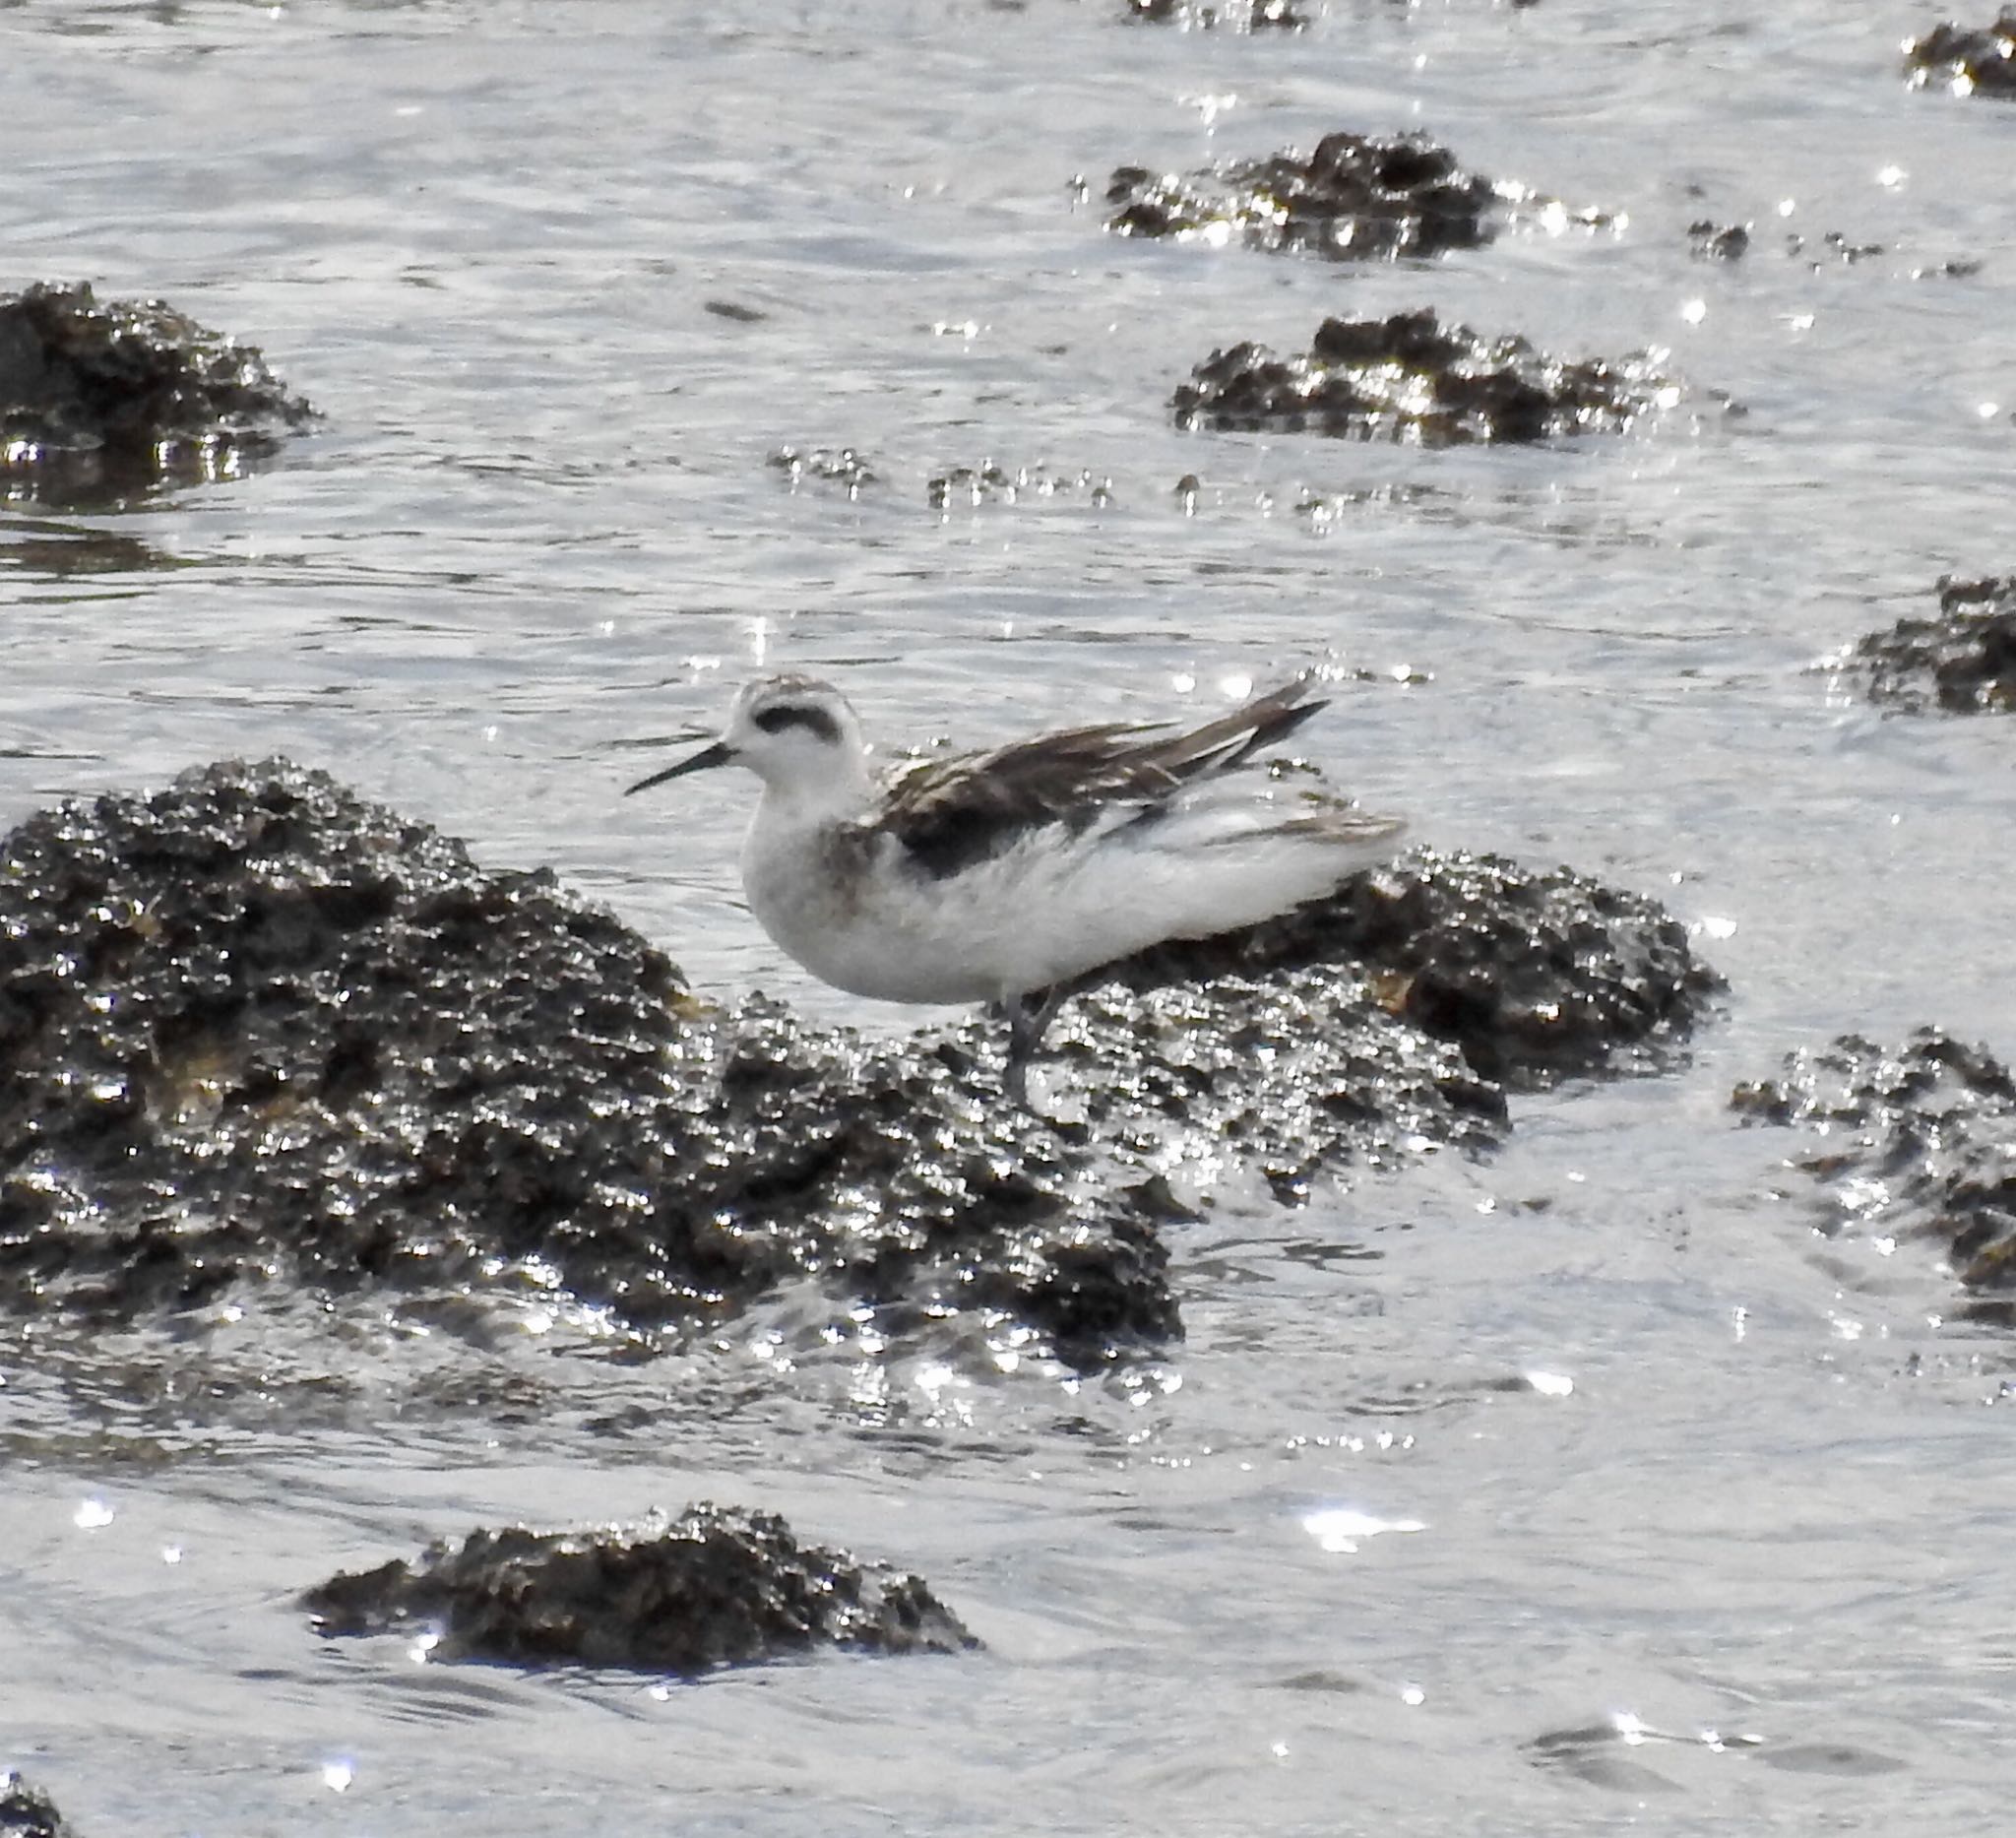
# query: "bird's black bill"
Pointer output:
{"type": "Point", "coordinates": [719, 754]}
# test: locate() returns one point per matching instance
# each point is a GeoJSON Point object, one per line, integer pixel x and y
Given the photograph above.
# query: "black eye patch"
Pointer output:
{"type": "Point", "coordinates": [816, 722]}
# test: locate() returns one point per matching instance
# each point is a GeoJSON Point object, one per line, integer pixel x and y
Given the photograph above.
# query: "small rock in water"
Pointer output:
{"type": "Point", "coordinates": [1969, 62]}
{"type": "Point", "coordinates": [716, 1586]}
{"type": "Point", "coordinates": [1709, 241]}
{"type": "Point", "coordinates": [1964, 660]}
{"type": "Point", "coordinates": [1916, 1141]}
{"type": "Point", "coordinates": [104, 399]}
{"type": "Point", "coordinates": [1357, 197]}
{"type": "Point", "coordinates": [1412, 378]}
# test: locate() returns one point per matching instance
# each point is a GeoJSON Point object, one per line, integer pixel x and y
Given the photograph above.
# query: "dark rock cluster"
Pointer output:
{"type": "Point", "coordinates": [1411, 377]}
{"type": "Point", "coordinates": [1919, 1140]}
{"type": "Point", "coordinates": [1968, 60]}
{"type": "Point", "coordinates": [716, 1586]}
{"type": "Point", "coordinates": [102, 398]}
{"type": "Point", "coordinates": [1356, 197]}
{"type": "Point", "coordinates": [1963, 660]}
{"type": "Point", "coordinates": [27, 1812]}
{"type": "Point", "coordinates": [253, 1028]}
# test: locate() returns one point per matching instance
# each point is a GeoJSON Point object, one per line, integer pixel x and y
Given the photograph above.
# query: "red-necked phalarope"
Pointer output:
{"type": "Point", "coordinates": [1013, 875]}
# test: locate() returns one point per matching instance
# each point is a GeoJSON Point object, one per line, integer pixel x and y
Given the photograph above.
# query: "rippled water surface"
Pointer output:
{"type": "Point", "coordinates": [1580, 1488]}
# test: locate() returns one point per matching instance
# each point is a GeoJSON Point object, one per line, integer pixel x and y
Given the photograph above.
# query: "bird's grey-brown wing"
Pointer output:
{"type": "Point", "coordinates": [949, 814]}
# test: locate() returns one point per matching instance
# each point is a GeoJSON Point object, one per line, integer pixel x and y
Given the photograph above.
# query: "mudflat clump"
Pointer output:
{"type": "Point", "coordinates": [1411, 377]}
{"type": "Point", "coordinates": [1963, 660]}
{"type": "Point", "coordinates": [716, 1586]}
{"type": "Point", "coordinates": [1356, 197]}
{"type": "Point", "coordinates": [1968, 61]}
{"type": "Point", "coordinates": [99, 399]}
{"type": "Point", "coordinates": [254, 1029]}
{"type": "Point", "coordinates": [1914, 1141]}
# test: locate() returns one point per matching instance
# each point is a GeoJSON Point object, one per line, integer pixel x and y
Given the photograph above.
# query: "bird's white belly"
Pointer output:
{"type": "Point", "coordinates": [858, 916]}
{"type": "Point", "coordinates": [876, 934]}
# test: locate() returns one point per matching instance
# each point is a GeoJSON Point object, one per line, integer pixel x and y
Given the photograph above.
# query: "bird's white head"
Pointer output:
{"type": "Point", "coordinates": [799, 735]}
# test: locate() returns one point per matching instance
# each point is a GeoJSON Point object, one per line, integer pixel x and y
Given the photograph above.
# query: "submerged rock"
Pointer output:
{"type": "Point", "coordinates": [1356, 197]}
{"type": "Point", "coordinates": [1917, 1141]}
{"type": "Point", "coordinates": [1412, 378]}
{"type": "Point", "coordinates": [1231, 14]}
{"type": "Point", "coordinates": [28, 1813]}
{"type": "Point", "coordinates": [989, 483]}
{"type": "Point", "coordinates": [826, 466]}
{"type": "Point", "coordinates": [103, 398]}
{"type": "Point", "coordinates": [255, 1029]}
{"type": "Point", "coordinates": [1963, 660]}
{"type": "Point", "coordinates": [716, 1586]}
{"type": "Point", "coordinates": [1966, 60]}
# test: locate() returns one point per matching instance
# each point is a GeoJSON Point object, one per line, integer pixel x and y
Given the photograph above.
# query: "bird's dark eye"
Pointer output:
{"type": "Point", "coordinates": [816, 722]}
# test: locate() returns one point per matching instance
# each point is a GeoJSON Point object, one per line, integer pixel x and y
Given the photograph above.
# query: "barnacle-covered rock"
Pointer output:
{"type": "Point", "coordinates": [1914, 1141]}
{"type": "Point", "coordinates": [1411, 377]}
{"type": "Point", "coordinates": [1967, 60]}
{"type": "Point", "coordinates": [1963, 660]}
{"type": "Point", "coordinates": [1356, 197]}
{"type": "Point", "coordinates": [716, 1586]}
{"type": "Point", "coordinates": [103, 398]}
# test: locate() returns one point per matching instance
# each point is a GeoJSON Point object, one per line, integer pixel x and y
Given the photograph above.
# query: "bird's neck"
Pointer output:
{"type": "Point", "coordinates": [813, 801]}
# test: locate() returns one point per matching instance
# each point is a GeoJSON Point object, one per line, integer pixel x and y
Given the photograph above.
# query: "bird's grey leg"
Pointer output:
{"type": "Point", "coordinates": [1028, 1018]}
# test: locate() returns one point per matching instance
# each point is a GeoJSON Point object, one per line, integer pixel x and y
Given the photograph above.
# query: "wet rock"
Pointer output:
{"type": "Point", "coordinates": [989, 484]}
{"type": "Point", "coordinates": [256, 1030]}
{"type": "Point", "coordinates": [841, 467]}
{"type": "Point", "coordinates": [1412, 378]}
{"type": "Point", "coordinates": [1710, 241]}
{"type": "Point", "coordinates": [717, 1586]}
{"type": "Point", "coordinates": [1917, 1141]}
{"type": "Point", "coordinates": [1963, 660]}
{"type": "Point", "coordinates": [100, 399]}
{"type": "Point", "coordinates": [253, 1026]}
{"type": "Point", "coordinates": [1967, 61]}
{"type": "Point", "coordinates": [1294, 1068]}
{"type": "Point", "coordinates": [26, 1813]}
{"type": "Point", "coordinates": [1356, 197]}
{"type": "Point", "coordinates": [1238, 15]}
{"type": "Point", "coordinates": [1532, 975]}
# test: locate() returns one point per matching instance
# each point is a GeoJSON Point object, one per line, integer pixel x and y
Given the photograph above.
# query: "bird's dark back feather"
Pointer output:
{"type": "Point", "coordinates": [950, 814]}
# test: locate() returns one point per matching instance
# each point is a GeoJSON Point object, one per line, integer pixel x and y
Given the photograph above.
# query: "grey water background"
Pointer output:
{"type": "Point", "coordinates": [1583, 1488]}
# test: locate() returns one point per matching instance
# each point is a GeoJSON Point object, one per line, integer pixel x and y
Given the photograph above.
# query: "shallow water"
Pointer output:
{"type": "Point", "coordinates": [1681, 1473]}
